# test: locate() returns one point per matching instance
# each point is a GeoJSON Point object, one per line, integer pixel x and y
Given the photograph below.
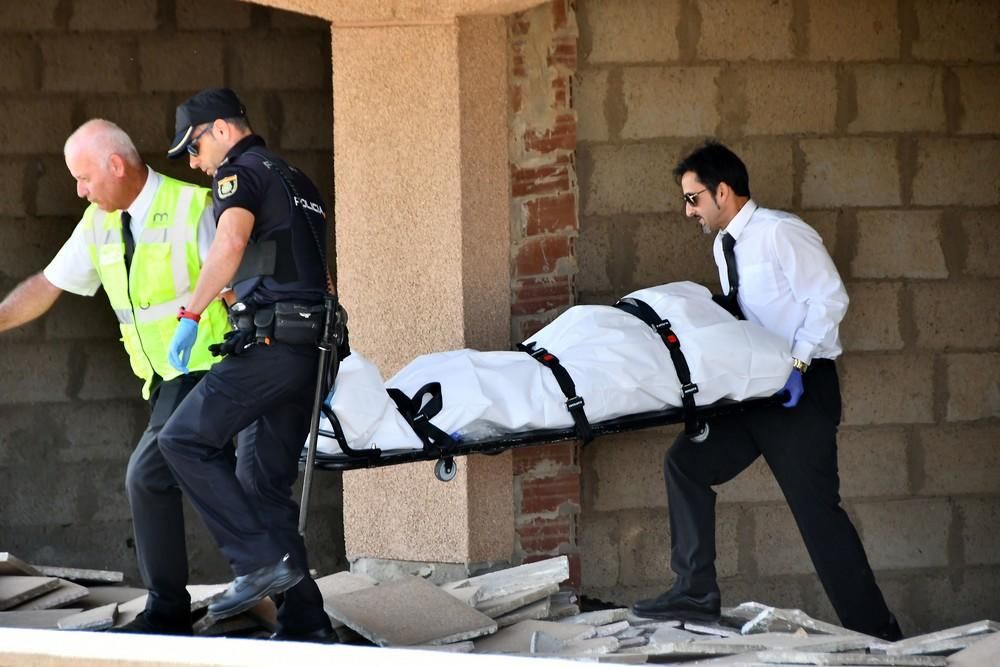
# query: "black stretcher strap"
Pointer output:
{"type": "Point", "coordinates": [337, 432]}
{"type": "Point", "coordinates": [645, 312]}
{"type": "Point", "coordinates": [574, 403]}
{"type": "Point", "coordinates": [418, 413]}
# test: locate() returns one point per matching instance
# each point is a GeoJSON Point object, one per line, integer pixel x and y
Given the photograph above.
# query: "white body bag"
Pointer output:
{"type": "Point", "coordinates": [619, 365]}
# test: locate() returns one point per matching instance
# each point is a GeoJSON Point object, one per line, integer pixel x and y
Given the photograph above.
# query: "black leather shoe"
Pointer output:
{"type": "Point", "coordinates": [320, 636]}
{"type": "Point", "coordinates": [248, 590]}
{"type": "Point", "coordinates": [144, 624]}
{"type": "Point", "coordinates": [675, 605]}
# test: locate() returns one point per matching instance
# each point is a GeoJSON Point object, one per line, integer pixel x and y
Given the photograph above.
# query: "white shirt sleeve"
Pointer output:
{"type": "Point", "coordinates": [206, 230]}
{"type": "Point", "coordinates": [814, 282]}
{"type": "Point", "coordinates": [72, 269]}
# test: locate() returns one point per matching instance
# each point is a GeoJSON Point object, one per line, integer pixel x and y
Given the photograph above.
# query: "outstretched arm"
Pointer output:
{"type": "Point", "coordinates": [29, 300]}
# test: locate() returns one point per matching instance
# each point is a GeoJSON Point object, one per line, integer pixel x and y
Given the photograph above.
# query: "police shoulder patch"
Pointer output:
{"type": "Point", "coordinates": [226, 186]}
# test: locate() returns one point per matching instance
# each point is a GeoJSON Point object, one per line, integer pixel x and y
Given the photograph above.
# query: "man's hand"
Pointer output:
{"type": "Point", "coordinates": [793, 387]}
{"type": "Point", "coordinates": [180, 347]}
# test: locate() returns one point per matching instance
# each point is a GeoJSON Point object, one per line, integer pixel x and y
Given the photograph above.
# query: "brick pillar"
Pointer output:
{"type": "Point", "coordinates": [544, 228]}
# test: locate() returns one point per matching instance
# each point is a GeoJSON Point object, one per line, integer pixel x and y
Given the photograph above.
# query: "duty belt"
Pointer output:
{"type": "Point", "coordinates": [290, 322]}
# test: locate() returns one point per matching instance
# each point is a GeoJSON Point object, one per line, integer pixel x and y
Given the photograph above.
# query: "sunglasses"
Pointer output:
{"type": "Point", "coordinates": [192, 148]}
{"type": "Point", "coordinates": [691, 198]}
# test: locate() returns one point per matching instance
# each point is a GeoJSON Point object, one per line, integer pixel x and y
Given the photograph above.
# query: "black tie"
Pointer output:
{"type": "Point", "coordinates": [128, 239]}
{"type": "Point", "coordinates": [728, 243]}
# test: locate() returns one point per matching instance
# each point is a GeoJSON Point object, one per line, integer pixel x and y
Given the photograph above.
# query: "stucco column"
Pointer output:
{"type": "Point", "coordinates": [423, 256]}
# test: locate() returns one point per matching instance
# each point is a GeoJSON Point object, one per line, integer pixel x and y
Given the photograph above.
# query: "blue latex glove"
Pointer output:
{"type": "Point", "coordinates": [180, 347]}
{"type": "Point", "coordinates": [793, 387]}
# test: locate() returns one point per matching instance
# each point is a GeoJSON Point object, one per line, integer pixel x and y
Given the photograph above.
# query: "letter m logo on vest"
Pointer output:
{"type": "Point", "coordinates": [163, 273]}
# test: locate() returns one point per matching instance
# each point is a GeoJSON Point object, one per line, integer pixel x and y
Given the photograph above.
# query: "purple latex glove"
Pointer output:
{"type": "Point", "coordinates": [793, 387]}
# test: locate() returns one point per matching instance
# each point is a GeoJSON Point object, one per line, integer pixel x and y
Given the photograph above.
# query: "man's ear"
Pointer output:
{"type": "Point", "coordinates": [117, 165]}
{"type": "Point", "coordinates": [723, 191]}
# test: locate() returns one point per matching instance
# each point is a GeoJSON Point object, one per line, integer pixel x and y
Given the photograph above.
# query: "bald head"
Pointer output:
{"type": "Point", "coordinates": [106, 165]}
{"type": "Point", "coordinates": [101, 139]}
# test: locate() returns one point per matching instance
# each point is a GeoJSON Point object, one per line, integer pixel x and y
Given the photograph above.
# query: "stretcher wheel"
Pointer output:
{"type": "Point", "coordinates": [445, 469]}
{"type": "Point", "coordinates": [702, 435]}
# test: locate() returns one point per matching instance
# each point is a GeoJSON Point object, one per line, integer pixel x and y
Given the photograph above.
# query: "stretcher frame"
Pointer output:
{"type": "Point", "coordinates": [445, 454]}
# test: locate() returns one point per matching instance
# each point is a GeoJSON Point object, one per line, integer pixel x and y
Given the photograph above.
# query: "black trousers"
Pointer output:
{"type": "Point", "coordinates": [157, 512]}
{"type": "Point", "coordinates": [265, 397]}
{"type": "Point", "coordinates": [800, 446]}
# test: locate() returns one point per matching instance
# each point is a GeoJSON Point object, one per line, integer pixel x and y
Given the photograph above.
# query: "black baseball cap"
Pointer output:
{"type": "Point", "coordinates": [203, 107]}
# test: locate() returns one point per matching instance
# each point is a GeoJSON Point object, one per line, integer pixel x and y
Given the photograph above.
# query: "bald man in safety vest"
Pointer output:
{"type": "Point", "coordinates": [143, 239]}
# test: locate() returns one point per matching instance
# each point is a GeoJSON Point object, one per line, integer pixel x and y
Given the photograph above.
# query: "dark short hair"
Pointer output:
{"type": "Point", "coordinates": [241, 122]}
{"type": "Point", "coordinates": [713, 163]}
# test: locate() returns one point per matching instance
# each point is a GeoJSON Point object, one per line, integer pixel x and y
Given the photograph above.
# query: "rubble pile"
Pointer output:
{"type": "Point", "coordinates": [517, 611]}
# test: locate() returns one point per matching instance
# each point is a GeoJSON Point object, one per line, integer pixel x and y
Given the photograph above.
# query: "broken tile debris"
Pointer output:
{"type": "Point", "coordinates": [496, 607]}
{"type": "Point", "coordinates": [18, 590]}
{"type": "Point", "coordinates": [65, 593]}
{"type": "Point", "coordinates": [985, 651]}
{"type": "Point", "coordinates": [943, 639]}
{"type": "Point", "coordinates": [531, 612]}
{"type": "Point", "coordinates": [99, 618]}
{"type": "Point", "coordinates": [518, 637]}
{"type": "Point", "coordinates": [35, 620]}
{"type": "Point", "coordinates": [851, 659]}
{"type": "Point", "coordinates": [81, 575]}
{"type": "Point", "coordinates": [397, 614]}
{"type": "Point", "coordinates": [11, 565]}
{"type": "Point", "coordinates": [599, 617]}
{"type": "Point", "coordinates": [517, 611]}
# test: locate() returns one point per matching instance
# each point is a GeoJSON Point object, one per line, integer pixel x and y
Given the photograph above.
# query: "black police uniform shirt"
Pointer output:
{"type": "Point", "coordinates": [247, 179]}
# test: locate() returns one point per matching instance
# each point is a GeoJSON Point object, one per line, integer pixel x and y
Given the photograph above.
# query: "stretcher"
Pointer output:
{"type": "Point", "coordinates": [445, 452]}
{"type": "Point", "coordinates": [413, 422]}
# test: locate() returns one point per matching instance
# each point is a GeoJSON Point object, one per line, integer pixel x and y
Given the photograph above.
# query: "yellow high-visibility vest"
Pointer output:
{"type": "Point", "coordinates": [164, 271]}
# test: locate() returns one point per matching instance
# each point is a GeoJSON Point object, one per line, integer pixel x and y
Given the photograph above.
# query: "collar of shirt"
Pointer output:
{"type": "Point", "coordinates": [738, 223]}
{"type": "Point", "coordinates": [242, 146]}
{"type": "Point", "coordinates": [140, 206]}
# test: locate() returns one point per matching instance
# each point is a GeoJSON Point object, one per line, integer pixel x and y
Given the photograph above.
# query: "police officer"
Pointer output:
{"type": "Point", "coordinates": [142, 239]}
{"type": "Point", "coordinates": [270, 246]}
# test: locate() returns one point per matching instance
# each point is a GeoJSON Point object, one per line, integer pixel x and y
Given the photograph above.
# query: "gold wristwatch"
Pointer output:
{"type": "Point", "coordinates": [800, 365]}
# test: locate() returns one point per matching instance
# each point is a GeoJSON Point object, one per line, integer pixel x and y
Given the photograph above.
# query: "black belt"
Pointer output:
{"type": "Point", "coordinates": [645, 312]}
{"type": "Point", "coordinates": [574, 403]}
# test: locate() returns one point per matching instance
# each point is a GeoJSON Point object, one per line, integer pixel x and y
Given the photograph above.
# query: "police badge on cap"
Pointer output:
{"type": "Point", "coordinates": [205, 107]}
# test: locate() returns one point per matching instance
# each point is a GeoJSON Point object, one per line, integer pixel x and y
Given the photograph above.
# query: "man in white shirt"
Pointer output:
{"type": "Point", "coordinates": [111, 175]}
{"type": "Point", "coordinates": [776, 272]}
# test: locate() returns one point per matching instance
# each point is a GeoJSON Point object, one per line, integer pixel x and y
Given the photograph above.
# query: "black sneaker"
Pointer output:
{"type": "Point", "coordinates": [144, 624]}
{"type": "Point", "coordinates": [675, 605]}
{"type": "Point", "coordinates": [320, 636]}
{"type": "Point", "coordinates": [249, 589]}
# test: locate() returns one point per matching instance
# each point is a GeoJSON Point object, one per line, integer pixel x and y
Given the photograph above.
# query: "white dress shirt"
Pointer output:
{"type": "Point", "coordinates": [787, 281]}
{"type": "Point", "coordinates": [72, 269]}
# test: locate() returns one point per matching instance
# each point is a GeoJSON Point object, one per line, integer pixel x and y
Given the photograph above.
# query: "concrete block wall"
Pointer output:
{"type": "Point", "coordinates": [70, 410]}
{"type": "Point", "coordinates": [877, 122]}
